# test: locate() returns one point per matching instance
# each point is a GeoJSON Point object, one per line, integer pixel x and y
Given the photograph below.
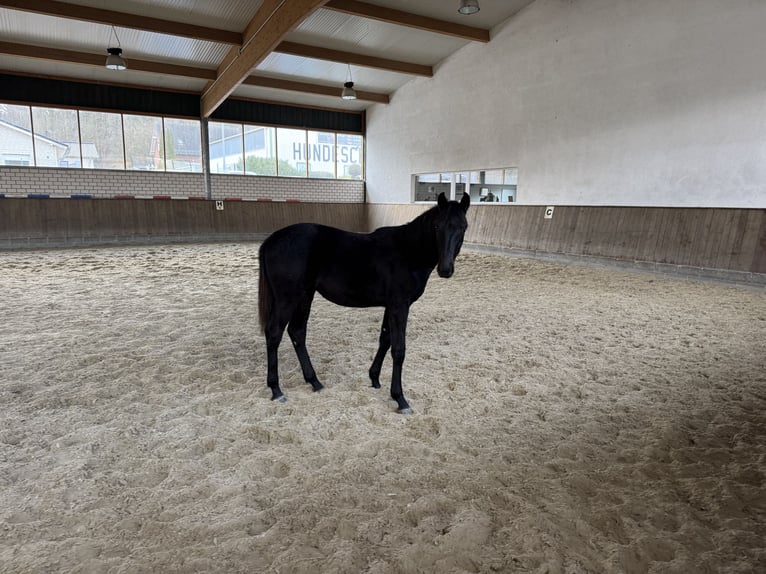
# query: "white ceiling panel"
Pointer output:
{"type": "Point", "coordinates": [331, 73]}
{"type": "Point", "coordinates": [226, 14]}
{"type": "Point", "coordinates": [343, 32]}
{"type": "Point", "coordinates": [491, 14]}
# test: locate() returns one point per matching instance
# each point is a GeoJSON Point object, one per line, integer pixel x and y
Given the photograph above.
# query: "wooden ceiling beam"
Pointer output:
{"type": "Point", "coordinates": [334, 91]}
{"type": "Point", "coordinates": [318, 53]}
{"type": "Point", "coordinates": [71, 57]}
{"type": "Point", "coordinates": [401, 18]}
{"type": "Point", "coordinates": [123, 20]}
{"type": "Point", "coordinates": [273, 20]}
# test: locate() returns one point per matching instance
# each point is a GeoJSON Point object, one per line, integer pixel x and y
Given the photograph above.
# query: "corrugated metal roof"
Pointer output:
{"type": "Point", "coordinates": [224, 14]}
{"type": "Point", "coordinates": [46, 36]}
{"type": "Point", "coordinates": [340, 31]}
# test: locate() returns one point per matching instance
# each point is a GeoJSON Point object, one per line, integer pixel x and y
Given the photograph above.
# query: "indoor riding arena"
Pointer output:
{"type": "Point", "coordinates": [587, 390]}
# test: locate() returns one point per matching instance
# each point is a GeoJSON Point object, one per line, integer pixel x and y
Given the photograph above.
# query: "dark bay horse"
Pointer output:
{"type": "Point", "coordinates": [386, 268]}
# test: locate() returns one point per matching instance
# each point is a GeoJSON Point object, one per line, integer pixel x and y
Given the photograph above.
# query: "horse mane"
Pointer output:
{"type": "Point", "coordinates": [424, 217]}
{"type": "Point", "coordinates": [416, 237]}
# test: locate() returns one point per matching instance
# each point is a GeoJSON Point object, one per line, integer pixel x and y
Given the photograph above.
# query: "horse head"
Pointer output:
{"type": "Point", "coordinates": [450, 224]}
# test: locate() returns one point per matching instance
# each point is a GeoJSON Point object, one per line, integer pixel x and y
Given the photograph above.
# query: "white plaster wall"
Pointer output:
{"type": "Point", "coordinates": [597, 102]}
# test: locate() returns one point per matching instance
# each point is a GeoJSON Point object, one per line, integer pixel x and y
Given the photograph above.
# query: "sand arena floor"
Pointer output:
{"type": "Point", "coordinates": [567, 420]}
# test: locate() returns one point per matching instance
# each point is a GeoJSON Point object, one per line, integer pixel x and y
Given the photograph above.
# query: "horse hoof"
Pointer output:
{"type": "Point", "coordinates": [375, 386]}
{"type": "Point", "coordinates": [316, 386]}
{"type": "Point", "coordinates": [405, 411]}
{"type": "Point", "coordinates": [280, 399]}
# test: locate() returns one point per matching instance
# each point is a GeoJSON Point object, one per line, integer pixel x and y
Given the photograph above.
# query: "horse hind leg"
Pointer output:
{"type": "Point", "coordinates": [296, 329]}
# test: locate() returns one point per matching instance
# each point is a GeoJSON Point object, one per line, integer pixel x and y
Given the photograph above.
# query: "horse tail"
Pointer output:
{"type": "Point", "coordinates": [265, 296]}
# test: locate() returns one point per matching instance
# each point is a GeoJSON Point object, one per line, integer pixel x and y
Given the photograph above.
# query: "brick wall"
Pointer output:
{"type": "Point", "coordinates": [22, 181]}
{"type": "Point", "coordinates": [287, 189]}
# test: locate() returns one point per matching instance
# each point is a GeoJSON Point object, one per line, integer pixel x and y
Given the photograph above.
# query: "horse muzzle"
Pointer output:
{"type": "Point", "coordinates": [445, 271]}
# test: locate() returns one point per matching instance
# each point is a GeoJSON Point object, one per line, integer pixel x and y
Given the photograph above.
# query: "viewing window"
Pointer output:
{"type": "Point", "coordinates": [484, 186]}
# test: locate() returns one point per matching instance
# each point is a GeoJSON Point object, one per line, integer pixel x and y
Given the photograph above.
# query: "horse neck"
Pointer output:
{"type": "Point", "coordinates": [418, 240]}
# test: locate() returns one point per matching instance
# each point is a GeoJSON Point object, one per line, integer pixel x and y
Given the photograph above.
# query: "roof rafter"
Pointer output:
{"type": "Point", "coordinates": [90, 59]}
{"type": "Point", "coordinates": [335, 91]}
{"type": "Point", "coordinates": [271, 23]}
{"type": "Point", "coordinates": [318, 53]}
{"type": "Point", "coordinates": [401, 18]}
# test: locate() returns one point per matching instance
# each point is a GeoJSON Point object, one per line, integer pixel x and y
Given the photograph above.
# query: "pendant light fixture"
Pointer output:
{"type": "Point", "coordinates": [469, 7]}
{"type": "Point", "coordinates": [348, 93]}
{"type": "Point", "coordinates": [115, 61]}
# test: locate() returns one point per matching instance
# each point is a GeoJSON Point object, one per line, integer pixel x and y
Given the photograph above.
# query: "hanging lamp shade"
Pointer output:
{"type": "Point", "coordinates": [348, 93]}
{"type": "Point", "coordinates": [115, 61]}
{"type": "Point", "coordinates": [469, 6]}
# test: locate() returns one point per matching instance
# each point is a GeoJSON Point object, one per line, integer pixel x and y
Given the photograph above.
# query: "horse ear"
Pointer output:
{"type": "Point", "coordinates": [442, 201]}
{"type": "Point", "coordinates": [465, 201]}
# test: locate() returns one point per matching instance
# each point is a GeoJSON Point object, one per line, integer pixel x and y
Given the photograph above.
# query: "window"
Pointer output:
{"type": "Point", "coordinates": [102, 146]}
{"type": "Point", "coordinates": [84, 139]}
{"type": "Point", "coordinates": [226, 148]}
{"type": "Point", "coordinates": [428, 186]}
{"type": "Point", "coordinates": [56, 137]}
{"type": "Point", "coordinates": [16, 147]}
{"type": "Point", "coordinates": [484, 186]}
{"type": "Point", "coordinates": [349, 156]}
{"type": "Point", "coordinates": [285, 152]}
{"type": "Point", "coordinates": [321, 154]}
{"type": "Point", "coordinates": [510, 185]}
{"type": "Point", "coordinates": [183, 145]}
{"type": "Point", "coordinates": [14, 159]}
{"type": "Point", "coordinates": [260, 150]}
{"type": "Point", "coordinates": [292, 152]}
{"type": "Point", "coordinates": [144, 147]}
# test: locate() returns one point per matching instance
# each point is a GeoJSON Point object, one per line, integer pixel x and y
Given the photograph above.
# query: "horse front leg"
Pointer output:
{"type": "Point", "coordinates": [397, 324]}
{"type": "Point", "coordinates": [383, 346]}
